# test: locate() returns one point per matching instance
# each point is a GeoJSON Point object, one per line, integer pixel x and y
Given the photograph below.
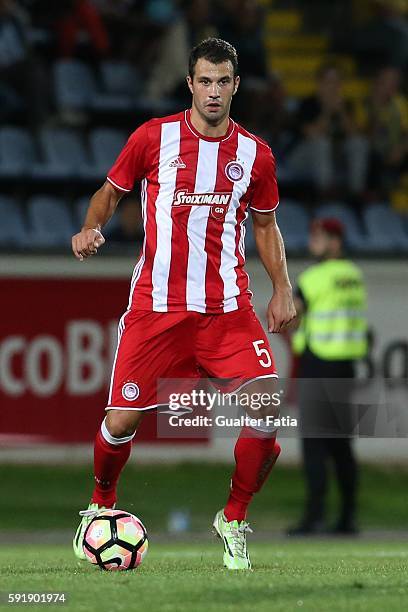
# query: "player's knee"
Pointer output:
{"type": "Point", "coordinates": [260, 399]}
{"type": "Point", "coordinates": [270, 410]}
{"type": "Point", "coordinates": [122, 423]}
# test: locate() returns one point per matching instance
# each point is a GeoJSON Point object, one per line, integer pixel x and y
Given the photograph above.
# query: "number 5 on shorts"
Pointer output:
{"type": "Point", "coordinates": [262, 351]}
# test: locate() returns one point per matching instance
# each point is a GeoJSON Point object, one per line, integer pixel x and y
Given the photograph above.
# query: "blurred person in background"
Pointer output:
{"type": "Point", "coordinates": [70, 25]}
{"type": "Point", "coordinates": [330, 300]}
{"type": "Point", "coordinates": [265, 109]}
{"type": "Point", "coordinates": [330, 151]}
{"type": "Point", "coordinates": [241, 22]}
{"type": "Point", "coordinates": [185, 25]}
{"type": "Point", "coordinates": [384, 38]}
{"type": "Point", "coordinates": [76, 17]}
{"type": "Point", "coordinates": [116, 8]}
{"type": "Point", "coordinates": [384, 118]}
{"type": "Point", "coordinates": [130, 31]}
{"type": "Point", "coordinates": [23, 84]}
{"type": "Point", "coordinates": [13, 58]}
{"type": "Point", "coordinates": [130, 228]}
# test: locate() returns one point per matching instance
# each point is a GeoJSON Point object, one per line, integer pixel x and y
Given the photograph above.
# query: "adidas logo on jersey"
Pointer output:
{"type": "Point", "coordinates": [184, 198]}
{"type": "Point", "coordinates": [177, 163]}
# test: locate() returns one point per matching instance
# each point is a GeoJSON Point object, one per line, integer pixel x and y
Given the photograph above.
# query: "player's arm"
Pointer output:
{"type": "Point", "coordinates": [269, 242]}
{"type": "Point", "coordinates": [101, 208]}
{"type": "Point", "coordinates": [127, 169]}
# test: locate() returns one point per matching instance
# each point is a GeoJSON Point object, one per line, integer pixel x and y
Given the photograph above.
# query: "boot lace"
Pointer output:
{"type": "Point", "coordinates": [239, 538]}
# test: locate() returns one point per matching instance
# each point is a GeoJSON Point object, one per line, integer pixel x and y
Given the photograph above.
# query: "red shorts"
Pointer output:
{"type": "Point", "coordinates": [185, 345]}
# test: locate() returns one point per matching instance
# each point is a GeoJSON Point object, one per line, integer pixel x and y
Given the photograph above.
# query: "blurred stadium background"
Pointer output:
{"type": "Point", "coordinates": [76, 77]}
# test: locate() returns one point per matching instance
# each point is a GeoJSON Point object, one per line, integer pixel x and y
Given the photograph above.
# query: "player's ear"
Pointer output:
{"type": "Point", "coordinates": [189, 83]}
{"type": "Point", "coordinates": [236, 84]}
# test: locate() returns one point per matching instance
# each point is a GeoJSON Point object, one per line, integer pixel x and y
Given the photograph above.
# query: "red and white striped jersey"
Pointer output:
{"type": "Point", "coordinates": [195, 194]}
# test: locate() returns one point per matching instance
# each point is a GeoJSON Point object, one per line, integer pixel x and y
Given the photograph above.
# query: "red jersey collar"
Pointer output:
{"type": "Point", "coordinates": [230, 129]}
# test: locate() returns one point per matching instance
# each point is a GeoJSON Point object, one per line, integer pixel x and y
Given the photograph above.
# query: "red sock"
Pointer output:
{"type": "Point", "coordinates": [109, 460]}
{"type": "Point", "coordinates": [255, 455]}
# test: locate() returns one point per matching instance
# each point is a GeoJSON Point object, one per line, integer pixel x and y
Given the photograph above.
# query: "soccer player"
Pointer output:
{"type": "Point", "coordinates": [190, 306]}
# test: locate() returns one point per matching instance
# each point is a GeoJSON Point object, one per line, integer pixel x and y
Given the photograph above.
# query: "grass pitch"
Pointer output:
{"type": "Point", "coordinates": [153, 491]}
{"type": "Point", "coordinates": [188, 577]}
{"type": "Point", "coordinates": [311, 575]}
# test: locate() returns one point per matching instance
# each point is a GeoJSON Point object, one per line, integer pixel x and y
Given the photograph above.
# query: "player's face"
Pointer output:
{"type": "Point", "coordinates": [213, 86]}
{"type": "Point", "coordinates": [319, 243]}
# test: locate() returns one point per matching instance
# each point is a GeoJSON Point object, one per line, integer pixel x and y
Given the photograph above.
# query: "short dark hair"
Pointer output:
{"type": "Point", "coordinates": [214, 50]}
{"type": "Point", "coordinates": [331, 225]}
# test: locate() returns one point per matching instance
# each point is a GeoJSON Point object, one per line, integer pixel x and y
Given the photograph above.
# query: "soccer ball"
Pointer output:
{"type": "Point", "coordinates": [115, 540]}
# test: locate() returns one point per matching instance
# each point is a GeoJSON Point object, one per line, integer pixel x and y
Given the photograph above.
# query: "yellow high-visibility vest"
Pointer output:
{"type": "Point", "coordinates": [334, 325]}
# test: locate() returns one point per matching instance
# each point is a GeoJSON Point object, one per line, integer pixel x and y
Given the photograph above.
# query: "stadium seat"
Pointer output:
{"type": "Point", "coordinates": [50, 222]}
{"type": "Point", "coordinates": [355, 238]}
{"type": "Point", "coordinates": [78, 89]}
{"type": "Point", "coordinates": [105, 145]}
{"type": "Point", "coordinates": [293, 221]}
{"type": "Point", "coordinates": [119, 84]}
{"type": "Point", "coordinates": [17, 152]}
{"type": "Point", "coordinates": [122, 90]}
{"type": "Point", "coordinates": [64, 154]}
{"type": "Point", "coordinates": [12, 228]}
{"type": "Point", "coordinates": [75, 85]}
{"type": "Point", "coordinates": [385, 228]}
{"type": "Point", "coordinates": [111, 103]}
{"type": "Point", "coordinates": [119, 78]}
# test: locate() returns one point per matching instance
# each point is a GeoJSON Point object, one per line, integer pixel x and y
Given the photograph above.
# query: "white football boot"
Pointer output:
{"type": "Point", "coordinates": [233, 535]}
{"type": "Point", "coordinates": [87, 516]}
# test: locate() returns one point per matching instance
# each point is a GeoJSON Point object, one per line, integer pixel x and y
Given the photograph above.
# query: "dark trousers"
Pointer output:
{"type": "Point", "coordinates": [326, 419]}
{"type": "Point", "coordinates": [317, 454]}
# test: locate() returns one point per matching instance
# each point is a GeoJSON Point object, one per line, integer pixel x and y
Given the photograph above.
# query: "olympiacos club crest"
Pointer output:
{"type": "Point", "coordinates": [234, 171]}
{"type": "Point", "coordinates": [130, 391]}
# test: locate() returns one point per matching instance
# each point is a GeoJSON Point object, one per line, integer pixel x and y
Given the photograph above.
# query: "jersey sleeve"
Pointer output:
{"type": "Point", "coordinates": [265, 196]}
{"type": "Point", "coordinates": [130, 165]}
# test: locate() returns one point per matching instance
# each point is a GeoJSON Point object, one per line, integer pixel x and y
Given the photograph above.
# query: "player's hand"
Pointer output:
{"type": "Point", "coordinates": [281, 310]}
{"type": "Point", "coordinates": [86, 243]}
